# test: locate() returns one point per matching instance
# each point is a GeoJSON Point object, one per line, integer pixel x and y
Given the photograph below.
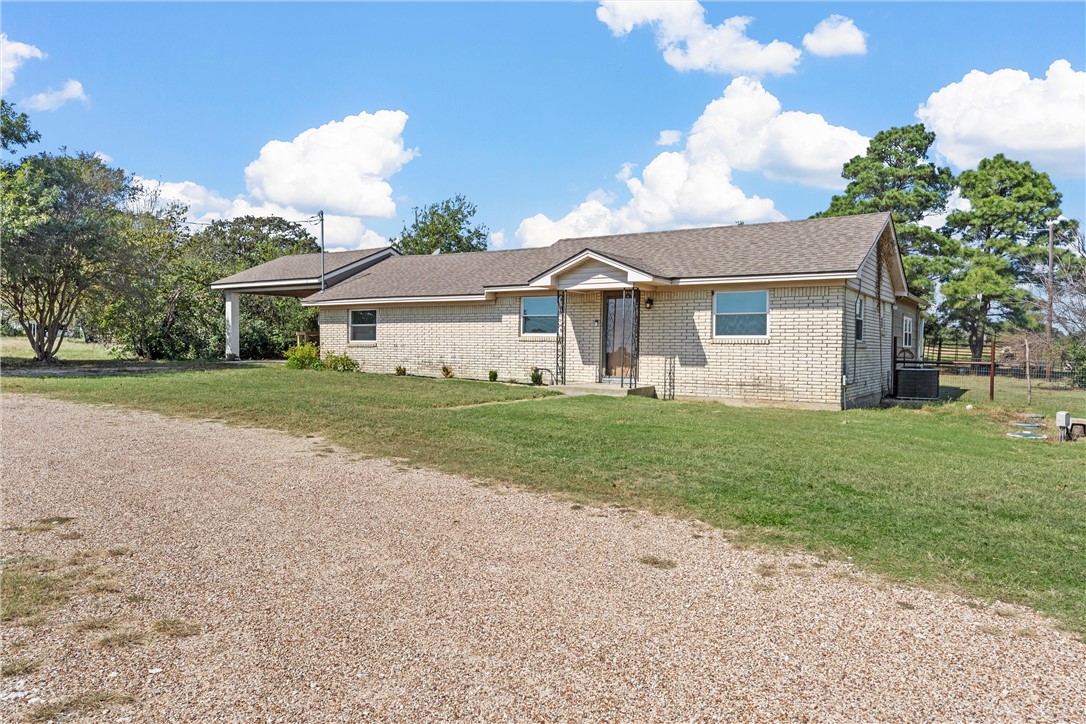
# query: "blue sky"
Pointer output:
{"type": "Point", "coordinates": [547, 116]}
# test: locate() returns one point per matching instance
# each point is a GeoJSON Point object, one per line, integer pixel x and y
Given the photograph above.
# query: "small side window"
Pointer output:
{"type": "Point", "coordinates": [539, 316]}
{"type": "Point", "coordinates": [907, 333]}
{"type": "Point", "coordinates": [859, 319]}
{"type": "Point", "coordinates": [363, 325]}
{"type": "Point", "coordinates": [741, 314]}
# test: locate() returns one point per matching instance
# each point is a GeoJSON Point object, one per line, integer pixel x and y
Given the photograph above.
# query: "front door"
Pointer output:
{"type": "Point", "coordinates": [620, 324]}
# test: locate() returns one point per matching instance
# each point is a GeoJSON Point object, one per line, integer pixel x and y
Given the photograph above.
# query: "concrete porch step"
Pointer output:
{"type": "Point", "coordinates": [605, 388]}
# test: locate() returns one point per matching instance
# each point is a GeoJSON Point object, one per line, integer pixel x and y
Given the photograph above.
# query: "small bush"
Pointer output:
{"type": "Point", "coordinates": [401, 370]}
{"type": "Point", "coordinates": [537, 376]}
{"type": "Point", "coordinates": [304, 357]}
{"type": "Point", "coordinates": [447, 372]}
{"type": "Point", "coordinates": [339, 363]}
{"type": "Point", "coordinates": [492, 375]}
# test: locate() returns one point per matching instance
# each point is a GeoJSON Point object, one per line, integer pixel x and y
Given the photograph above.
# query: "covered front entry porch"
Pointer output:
{"type": "Point", "coordinates": [610, 347]}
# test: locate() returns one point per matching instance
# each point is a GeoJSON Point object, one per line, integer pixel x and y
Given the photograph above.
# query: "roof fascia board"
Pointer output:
{"type": "Point", "coordinates": [828, 276]}
{"type": "Point", "coordinates": [398, 300]}
{"type": "Point", "coordinates": [242, 286]}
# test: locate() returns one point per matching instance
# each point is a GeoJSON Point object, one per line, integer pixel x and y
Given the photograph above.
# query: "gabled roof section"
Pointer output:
{"type": "Point", "coordinates": [633, 268]}
{"type": "Point", "coordinates": [811, 246]}
{"type": "Point", "coordinates": [811, 249]}
{"type": "Point", "coordinates": [298, 269]}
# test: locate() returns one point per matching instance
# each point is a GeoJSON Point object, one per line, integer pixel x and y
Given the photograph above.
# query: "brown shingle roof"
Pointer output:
{"type": "Point", "coordinates": [298, 266]}
{"type": "Point", "coordinates": [811, 246]}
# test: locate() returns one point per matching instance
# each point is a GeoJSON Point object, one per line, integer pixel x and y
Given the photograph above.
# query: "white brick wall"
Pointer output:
{"type": "Point", "coordinates": [800, 363]}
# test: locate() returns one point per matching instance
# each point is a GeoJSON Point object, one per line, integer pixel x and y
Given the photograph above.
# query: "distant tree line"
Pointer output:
{"type": "Point", "coordinates": [84, 247]}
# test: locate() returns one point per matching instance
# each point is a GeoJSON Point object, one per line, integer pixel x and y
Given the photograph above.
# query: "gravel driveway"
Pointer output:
{"type": "Point", "coordinates": [336, 588]}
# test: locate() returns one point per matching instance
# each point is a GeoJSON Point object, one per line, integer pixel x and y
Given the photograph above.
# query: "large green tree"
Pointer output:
{"type": "Point", "coordinates": [60, 224]}
{"type": "Point", "coordinates": [1003, 235]}
{"type": "Point", "coordinates": [15, 128]}
{"type": "Point", "coordinates": [444, 227]}
{"type": "Point", "coordinates": [896, 175]}
{"type": "Point", "coordinates": [159, 303]}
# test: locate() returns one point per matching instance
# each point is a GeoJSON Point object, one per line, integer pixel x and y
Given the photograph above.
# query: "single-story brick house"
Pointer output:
{"type": "Point", "coordinates": [801, 313]}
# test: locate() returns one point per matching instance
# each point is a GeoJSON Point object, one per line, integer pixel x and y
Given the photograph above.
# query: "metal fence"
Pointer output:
{"type": "Point", "coordinates": [1037, 388]}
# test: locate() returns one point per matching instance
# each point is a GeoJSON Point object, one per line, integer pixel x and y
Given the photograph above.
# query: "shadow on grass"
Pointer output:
{"type": "Point", "coordinates": [950, 394]}
{"type": "Point", "coordinates": [17, 367]}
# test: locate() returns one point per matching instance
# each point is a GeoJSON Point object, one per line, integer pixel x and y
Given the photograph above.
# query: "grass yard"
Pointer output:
{"type": "Point", "coordinates": [16, 350]}
{"type": "Point", "coordinates": [1048, 398]}
{"type": "Point", "coordinates": [935, 495]}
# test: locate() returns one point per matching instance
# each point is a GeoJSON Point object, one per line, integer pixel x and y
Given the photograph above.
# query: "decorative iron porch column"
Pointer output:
{"type": "Point", "coordinates": [560, 341]}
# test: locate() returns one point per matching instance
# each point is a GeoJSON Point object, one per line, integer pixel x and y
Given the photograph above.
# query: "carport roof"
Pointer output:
{"type": "Point", "coordinates": [300, 268]}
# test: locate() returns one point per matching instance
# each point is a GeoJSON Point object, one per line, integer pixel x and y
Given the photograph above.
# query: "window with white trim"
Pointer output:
{"type": "Point", "coordinates": [907, 332]}
{"type": "Point", "coordinates": [363, 325]}
{"type": "Point", "coordinates": [741, 314]}
{"type": "Point", "coordinates": [859, 319]}
{"type": "Point", "coordinates": [539, 316]}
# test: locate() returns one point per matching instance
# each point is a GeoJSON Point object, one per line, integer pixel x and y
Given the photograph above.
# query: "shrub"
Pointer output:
{"type": "Point", "coordinates": [401, 370]}
{"type": "Point", "coordinates": [304, 357]}
{"type": "Point", "coordinates": [492, 375]}
{"type": "Point", "coordinates": [537, 376]}
{"type": "Point", "coordinates": [447, 372]}
{"type": "Point", "coordinates": [339, 363]}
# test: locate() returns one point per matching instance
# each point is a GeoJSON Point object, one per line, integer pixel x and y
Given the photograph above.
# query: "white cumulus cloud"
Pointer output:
{"type": "Point", "coordinates": [689, 43]}
{"type": "Point", "coordinates": [836, 35]}
{"type": "Point", "coordinates": [669, 138]}
{"type": "Point", "coordinates": [747, 126]}
{"type": "Point", "coordinates": [12, 56]}
{"type": "Point", "coordinates": [1041, 120]}
{"type": "Point", "coordinates": [745, 130]}
{"type": "Point", "coordinates": [342, 166]}
{"type": "Point", "coordinates": [497, 239]}
{"type": "Point", "coordinates": [51, 100]}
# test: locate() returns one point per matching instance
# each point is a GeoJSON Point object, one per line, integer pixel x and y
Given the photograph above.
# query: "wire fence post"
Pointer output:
{"type": "Point", "coordinates": [991, 374]}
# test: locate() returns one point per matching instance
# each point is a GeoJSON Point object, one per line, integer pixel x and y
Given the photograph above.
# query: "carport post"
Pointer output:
{"type": "Point", "coordinates": [233, 324]}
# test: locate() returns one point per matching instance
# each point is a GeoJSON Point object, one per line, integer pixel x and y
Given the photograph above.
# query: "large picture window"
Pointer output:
{"type": "Point", "coordinates": [741, 314]}
{"type": "Point", "coordinates": [363, 325]}
{"type": "Point", "coordinates": [539, 315]}
{"type": "Point", "coordinates": [859, 319]}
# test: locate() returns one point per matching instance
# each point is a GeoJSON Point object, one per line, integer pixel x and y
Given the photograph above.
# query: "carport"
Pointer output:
{"type": "Point", "coordinates": [290, 276]}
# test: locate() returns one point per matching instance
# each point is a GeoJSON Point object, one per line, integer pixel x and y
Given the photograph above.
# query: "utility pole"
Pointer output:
{"type": "Point", "coordinates": [1051, 289]}
{"type": "Point", "coordinates": [320, 215]}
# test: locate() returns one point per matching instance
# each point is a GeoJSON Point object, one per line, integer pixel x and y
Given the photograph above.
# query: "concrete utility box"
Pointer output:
{"type": "Point", "coordinates": [1071, 428]}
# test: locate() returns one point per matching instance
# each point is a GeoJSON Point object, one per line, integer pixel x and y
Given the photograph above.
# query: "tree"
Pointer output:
{"type": "Point", "coordinates": [444, 227]}
{"type": "Point", "coordinates": [895, 175]}
{"type": "Point", "coordinates": [15, 128]}
{"type": "Point", "coordinates": [60, 223]}
{"type": "Point", "coordinates": [1003, 235]}
{"type": "Point", "coordinates": [158, 304]}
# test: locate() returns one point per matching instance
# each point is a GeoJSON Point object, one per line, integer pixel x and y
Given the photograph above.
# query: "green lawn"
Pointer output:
{"type": "Point", "coordinates": [14, 349]}
{"type": "Point", "coordinates": [1048, 398]}
{"type": "Point", "coordinates": [935, 495]}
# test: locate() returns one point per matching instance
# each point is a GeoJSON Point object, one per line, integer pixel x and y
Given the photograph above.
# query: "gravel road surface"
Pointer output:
{"type": "Point", "coordinates": [330, 587]}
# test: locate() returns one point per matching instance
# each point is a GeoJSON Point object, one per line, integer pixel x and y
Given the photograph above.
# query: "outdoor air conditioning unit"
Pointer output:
{"type": "Point", "coordinates": [917, 383]}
